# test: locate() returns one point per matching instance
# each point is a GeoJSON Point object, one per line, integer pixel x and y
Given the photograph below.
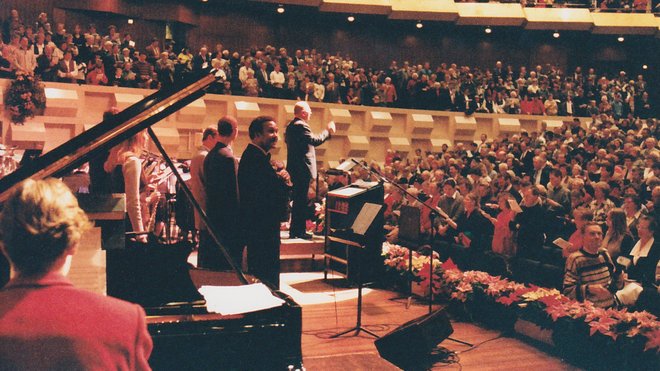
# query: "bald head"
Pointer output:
{"type": "Point", "coordinates": [302, 110]}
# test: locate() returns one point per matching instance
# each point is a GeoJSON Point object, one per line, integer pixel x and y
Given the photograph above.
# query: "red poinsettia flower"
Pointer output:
{"type": "Point", "coordinates": [448, 265]}
{"type": "Point", "coordinates": [654, 340]}
{"type": "Point", "coordinates": [508, 300]}
{"type": "Point", "coordinates": [604, 326]}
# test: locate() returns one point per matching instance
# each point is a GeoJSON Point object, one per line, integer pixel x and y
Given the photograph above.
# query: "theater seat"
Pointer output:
{"type": "Point", "coordinates": [460, 255]}
{"type": "Point", "coordinates": [526, 270]}
{"type": "Point", "coordinates": [551, 276]}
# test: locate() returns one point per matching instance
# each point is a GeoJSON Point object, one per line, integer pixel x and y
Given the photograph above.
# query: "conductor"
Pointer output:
{"type": "Point", "coordinates": [301, 163]}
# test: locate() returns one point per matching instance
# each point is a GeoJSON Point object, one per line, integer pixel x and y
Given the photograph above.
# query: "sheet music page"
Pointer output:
{"type": "Point", "coordinates": [346, 166]}
{"type": "Point", "coordinates": [562, 243]}
{"type": "Point", "coordinates": [364, 184]}
{"type": "Point", "coordinates": [346, 192]}
{"type": "Point", "coordinates": [513, 204]}
{"type": "Point", "coordinates": [239, 299]}
{"type": "Point", "coordinates": [365, 217]}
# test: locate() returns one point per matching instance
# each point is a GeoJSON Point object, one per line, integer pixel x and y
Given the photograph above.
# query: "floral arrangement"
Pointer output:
{"type": "Point", "coordinates": [541, 305]}
{"type": "Point", "coordinates": [24, 97]}
{"type": "Point", "coordinates": [317, 225]}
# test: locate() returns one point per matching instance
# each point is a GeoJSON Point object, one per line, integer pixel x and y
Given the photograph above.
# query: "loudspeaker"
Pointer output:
{"type": "Point", "coordinates": [415, 339]}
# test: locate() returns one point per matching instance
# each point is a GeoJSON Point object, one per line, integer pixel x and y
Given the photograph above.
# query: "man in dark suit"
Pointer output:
{"type": "Point", "coordinates": [541, 173]}
{"type": "Point", "coordinates": [301, 163]}
{"type": "Point", "coordinates": [263, 201]}
{"type": "Point", "coordinates": [45, 322]}
{"type": "Point", "coordinates": [221, 186]}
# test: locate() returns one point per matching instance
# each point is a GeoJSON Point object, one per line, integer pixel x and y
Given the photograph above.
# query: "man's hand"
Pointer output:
{"type": "Point", "coordinates": [331, 127]}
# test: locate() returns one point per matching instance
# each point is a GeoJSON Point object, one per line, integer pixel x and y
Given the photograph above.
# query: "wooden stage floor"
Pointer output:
{"type": "Point", "coordinates": [330, 307]}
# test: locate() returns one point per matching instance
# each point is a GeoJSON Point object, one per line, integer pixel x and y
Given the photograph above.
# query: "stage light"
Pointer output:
{"type": "Point", "coordinates": [419, 24]}
{"type": "Point", "coordinates": [555, 35]}
{"type": "Point", "coordinates": [350, 18]}
{"type": "Point", "coordinates": [130, 21]}
{"type": "Point", "coordinates": [205, 1]}
{"type": "Point", "coordinates": [488, 30]}
{"type": "Point", "coordinates": [280, 9]}
{"type": "Point", "coordinates": [620, 39]}
{"type": "Point", "coordinates": [645, 67]}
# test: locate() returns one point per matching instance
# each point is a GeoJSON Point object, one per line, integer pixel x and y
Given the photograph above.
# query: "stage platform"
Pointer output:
{"type": "Point", "coordinates": [296, 255]}
{"type": "Point", "coordinates": [329, 306]}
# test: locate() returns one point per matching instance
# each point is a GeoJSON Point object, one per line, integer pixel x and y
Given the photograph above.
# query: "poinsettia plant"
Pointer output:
{"type": "Point", "coordinates": [541, 305]}
{"type": "Point", "coordinates": [24, 97]}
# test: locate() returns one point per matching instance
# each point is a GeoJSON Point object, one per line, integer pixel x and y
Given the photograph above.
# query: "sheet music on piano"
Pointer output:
{"type": "Point", "coordinates": [228, 300]}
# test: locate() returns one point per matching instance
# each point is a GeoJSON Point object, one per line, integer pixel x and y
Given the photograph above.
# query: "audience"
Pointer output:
{"type": "Point", "coordinates": [315, 76]}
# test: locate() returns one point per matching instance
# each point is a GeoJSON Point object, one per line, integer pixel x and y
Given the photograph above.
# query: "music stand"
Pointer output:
{"type": "Point", "coordinates": [360, 226]}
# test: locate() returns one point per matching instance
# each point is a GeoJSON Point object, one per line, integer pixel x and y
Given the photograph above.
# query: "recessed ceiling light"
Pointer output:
{"type": "Point", "coordinates": [488, 30]}
{"type": "Point", "coordinates": [350, 18]}
{"type": "Point", "coordinates": [419, 24]}
{"type": "Point", "coordinates": [621, 39]}
{"type": "Point", "coordinates": [555, 35]}
{"type": "Point", "coordinates": [130, 21]}
{"type": "Point", "coordinates": [645, 67]}
{"type": "Point", "coordinates": [280, 9]}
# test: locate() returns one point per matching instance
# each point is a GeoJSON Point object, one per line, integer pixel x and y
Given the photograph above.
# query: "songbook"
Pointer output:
{"type": "Point", "coordinates": [565, 245]}
{"type": "Point", "coordinates": [366, 216]}
{"type": "Point", "coordinates": [513, 204]}
{"type": "Point", "coordinates": [629, 293]}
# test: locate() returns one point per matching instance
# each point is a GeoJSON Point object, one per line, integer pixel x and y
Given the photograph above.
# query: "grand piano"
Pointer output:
{"type": "Point", "coordinates": [186, 334]}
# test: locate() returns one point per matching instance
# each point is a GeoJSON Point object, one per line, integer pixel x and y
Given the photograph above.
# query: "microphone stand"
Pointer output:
{"type": "Point", "coordinates": [434, 213]}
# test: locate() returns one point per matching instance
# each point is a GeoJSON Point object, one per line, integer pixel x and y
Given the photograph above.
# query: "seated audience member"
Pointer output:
{"type": "Point", "coordinates": [46, 323]}
{"type": "Point", "coordinates": [581, 216]}
{"type": "Point", "coordinates": [645, 254]}
{"type": "Point", "coordinates": [617, 240]}
{"type": "Point", "coordinates": [601, 204]}
{"type": "Point", "coordinates": [589, 271]}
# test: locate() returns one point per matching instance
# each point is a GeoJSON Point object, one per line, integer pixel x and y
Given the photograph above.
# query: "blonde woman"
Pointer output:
{"type": "Point", "coordinates": [125, 169]}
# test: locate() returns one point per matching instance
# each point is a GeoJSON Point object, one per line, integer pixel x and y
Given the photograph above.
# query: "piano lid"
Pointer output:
{"type": "Point", "coordinates": [107, 134]}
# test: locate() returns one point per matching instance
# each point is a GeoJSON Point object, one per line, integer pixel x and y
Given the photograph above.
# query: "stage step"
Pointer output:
{"type": "Point", "coordinates": [298, 255]}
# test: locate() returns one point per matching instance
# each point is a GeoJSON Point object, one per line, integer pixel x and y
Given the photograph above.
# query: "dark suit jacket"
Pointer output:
{"type": "Point", "coordinates": [198, 63]}
{"type": "Point", "coordinates": [49, 324]}
{"type": "Point", "coordinates": [545, 176]}
{"type": "Point", "coordinates": [301, 155]}
{"type": "Point", "coordinates": [263, 194]}
{"type": "Point", "coordinates": [222, 192]}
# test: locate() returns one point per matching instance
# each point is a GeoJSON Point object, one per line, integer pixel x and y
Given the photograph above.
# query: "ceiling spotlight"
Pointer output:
{"type": "Point", "coordinates": [350, 18]}
{"type": "Point", "coordinates": [205, 1]}
{"type": "Point", "coordinates": [488, 30]}
{"type": "Point", "coordinates": [130, 21]}
{"type": "Point", "coordinates": [620, 39]}
{"type": "Point", "coordinates": [555, 35]}
{"type": "Point", "coordinates": [645, 67]}
{"type": "Point", "coordinates": [280, 9]}
{"type": "Point", "coordinates": [419, 24]}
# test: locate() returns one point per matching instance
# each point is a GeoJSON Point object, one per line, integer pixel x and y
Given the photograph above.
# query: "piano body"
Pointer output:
{"type": "Point", "coordinates": [186, 335]}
